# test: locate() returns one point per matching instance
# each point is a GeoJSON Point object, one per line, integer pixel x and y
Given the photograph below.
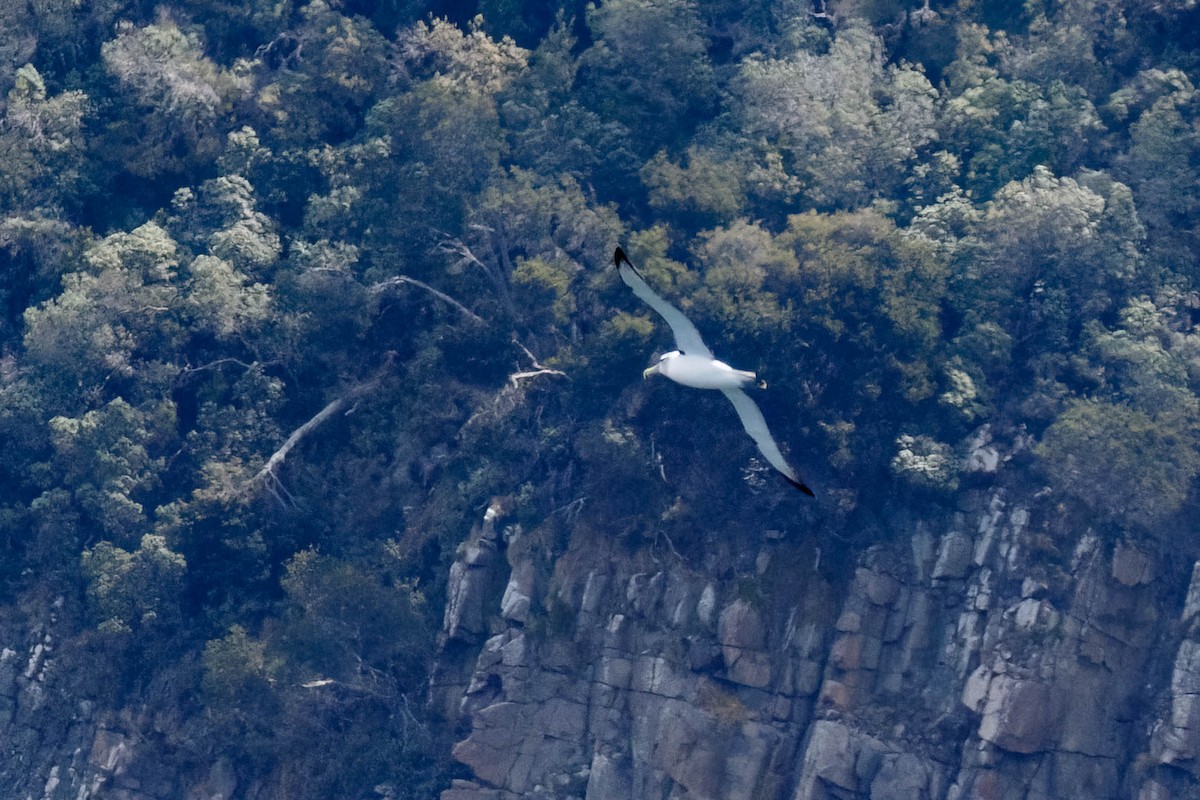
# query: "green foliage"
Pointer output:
{"type": "Point", "coordinates": [1042, 258]}
{"type": "Point", "coordinates": [873, 294]}
{"type": "Point", "coordinates": [648, 68]}
{"type": "Point", "coordinates": [546, 289]}
{"type": "Point", "coordinates": [448, 139]}
{"type": "Point", "coordinates": [1148, 423]}
{"type": "Point", "coordinates": [1004, 125]}
{"type": "Point", "coordinates": [850, 126]}
{"type": "Point", "coordinates": [329, 74]}
{"type": "Point", "coordinates": [218, 217]}
{"type": "Point", "coordinates": [245, 236]}
{"type": "Point", "coordinates": [112, 316]}
{"type": "Point", "coordinates": [105, 456]}
{"type": "Point", "coordinates": [236, 670]}
{"type": "Point", "coordinates": [134, 592]}
{"type": "Point", "coordinates": [925, 463]}
{"type": "Point", "coordinates": [182, 93]}
{"type": "Point", "coordinates": [1122, 462]}
{"type": "Point", "coordinates": [342, 623]}
{"type": "Point", "coordinates": [1163, 135]}
{"type": "Point", "coordinates": [219, 300]}
{"type": "Point", "coordinates": [707, 187]}
{"type": "Point", "coordinates": [742, 264]}
{"type": "Point", "coordinates": [237, 27]}
{"type": "Point", "coordinates": [470, 60]}
{"type": "Point", "coordinates": [41, 143]}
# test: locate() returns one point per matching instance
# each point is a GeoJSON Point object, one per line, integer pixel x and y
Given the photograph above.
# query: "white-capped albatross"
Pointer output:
{"type": "Point", "coordinates": [692, 364]}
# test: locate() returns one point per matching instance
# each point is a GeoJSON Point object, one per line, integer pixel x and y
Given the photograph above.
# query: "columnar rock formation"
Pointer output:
{"type": "Point", "coordinates": [986, 655]}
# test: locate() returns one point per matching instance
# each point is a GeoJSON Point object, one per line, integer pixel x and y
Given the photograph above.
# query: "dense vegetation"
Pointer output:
{"type": "Point", "coordinates": [383, 232]}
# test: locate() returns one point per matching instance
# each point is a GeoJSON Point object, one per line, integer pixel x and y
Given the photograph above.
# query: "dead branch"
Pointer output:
{"type": "Point", "coordinates": [533, 373]}
{"type": "Point", "coordinates": [188, 371]}
{"type": "Point", "coordinates": [571, 510]}
{"type": "Point", "coordinates": [268, 476]}
{"type": "Point", "coordinates": [400, 279]}
{"type": "Point", "coordinates": [457, 247]}
{"type": "Point", "coordinates": [509, 397]}
{"type": "Point", "coordinates": [538, 369]}
{"type": "Point", "coordinates": [218, 363]}
{"type": "Point", "coordinates": [659, 532]}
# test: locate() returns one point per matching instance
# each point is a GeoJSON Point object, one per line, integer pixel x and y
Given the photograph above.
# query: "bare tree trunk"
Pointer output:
{"type": "Point", "coordinates": [268, 477]}
{"type": "Point", "coordinates": [452, 246]}
{"type": "Point", "coordinates": [399, 279]}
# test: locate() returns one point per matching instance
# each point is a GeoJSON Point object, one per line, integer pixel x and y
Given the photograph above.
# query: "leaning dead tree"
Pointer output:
{"type": "Point", "coordinates": [511, 395]}
{"type": "Point", "coordinates": [538, 369]}
{"type": "Point", "coordinates": [267, 478]}
{"type": "Point", "coordinates": [496, 271]}
{"type": "Point", "coordinates": [398, 280]}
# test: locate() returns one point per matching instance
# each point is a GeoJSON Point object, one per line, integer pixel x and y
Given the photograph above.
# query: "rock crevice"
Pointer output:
{"type": "Point", "coordinates": [967, 658]}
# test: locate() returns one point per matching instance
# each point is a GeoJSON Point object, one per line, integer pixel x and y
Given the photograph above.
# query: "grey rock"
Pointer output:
{"type": "Point", "coordinates": [1191, 606]}
{"type": "Point", "coordinates": [741, 626]}
{"type": "Point", "coordinates": [609, 778]}
{"type": "Point", "coordinates": [111, 752]}
{"type": "Point", "coordinates": [692, 750]}
{"type": "Point", "coordinates": [849, 622]}
{"type": "Point", "coordinates": [968, 670]}
{"type": "Point", "coordinates": [707, 604]}
{"type": "Point", "coordinates": [644, 592]}
{"type": "Point", "coordinates": [1017, 714]}
{"type": "Point", "coordinates": [1131, 566]}
{"type": "Point", "coordinates": [593, 593]}
{"type": "Point", "coordinates": [829, 759]}
{"type": "Point", "coordinates": [655, 675]}
{"type": "Point", "coordinates": [494, 744]}
{"type": "Point", "coordinates": [901, 776]}
{"type": "Point", "coordinates": [878, 588]}
{"type": "Point", "coordinates": [517, 601]}
{"type": "Point", "coordinates": [1185, 677]}
{"type": "Point", "coordinates": [742, 635]}
{"type": "Point", "coordinates": [220, 784]}
{"type": "Point", "coordinates": [955, 556]}
{"type": "Point", "coordinates": [8, 672]}
{"type": "Point", "coordinates": [465, 590]}
{"type": "Point", "coordinates": [1153, 790]}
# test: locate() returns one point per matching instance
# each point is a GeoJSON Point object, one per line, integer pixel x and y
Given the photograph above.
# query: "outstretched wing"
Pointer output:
{"type": "Point", "coordinates": [756, 426]}
{"type": "Point", "coordinates": [687, 338]}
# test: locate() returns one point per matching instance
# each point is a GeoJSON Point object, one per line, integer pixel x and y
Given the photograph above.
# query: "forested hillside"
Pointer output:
{"type": "Point", "coordinates": [290, 292]}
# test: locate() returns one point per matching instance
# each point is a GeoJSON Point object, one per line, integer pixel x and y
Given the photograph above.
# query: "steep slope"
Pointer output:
{"type": "Point", "coordinates": [986, 653]}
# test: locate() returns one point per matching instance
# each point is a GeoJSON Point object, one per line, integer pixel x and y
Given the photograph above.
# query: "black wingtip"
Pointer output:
{"type": "Point", "coordinates": [802, 487]}
{"type": "Point", "coordinates": [620, 258]}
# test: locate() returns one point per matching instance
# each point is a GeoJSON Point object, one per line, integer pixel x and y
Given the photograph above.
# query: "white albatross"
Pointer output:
{"type": "Point", "coordinates": [692, 364]}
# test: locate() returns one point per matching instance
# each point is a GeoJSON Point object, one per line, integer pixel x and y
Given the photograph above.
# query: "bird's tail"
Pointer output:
{"type": "Point", "coordinates": [746, 375]}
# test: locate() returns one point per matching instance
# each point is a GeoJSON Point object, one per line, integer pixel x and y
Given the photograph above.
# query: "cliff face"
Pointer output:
{"type": "Point", "coordinates": [983, 655]}
{"type": "Point", "coordinates": [62, 736]}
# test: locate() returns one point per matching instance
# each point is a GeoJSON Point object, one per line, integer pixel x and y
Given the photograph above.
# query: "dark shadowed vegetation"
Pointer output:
{"type": "Point", "coordinates": [290, 291]}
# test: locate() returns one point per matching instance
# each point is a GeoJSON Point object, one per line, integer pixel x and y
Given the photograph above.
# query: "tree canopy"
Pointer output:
{"type": "Point", "coordinates": [290, 290]}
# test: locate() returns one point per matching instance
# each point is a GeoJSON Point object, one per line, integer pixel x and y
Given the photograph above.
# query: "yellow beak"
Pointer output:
{"type": "Point", "coordinates": [648, 371]}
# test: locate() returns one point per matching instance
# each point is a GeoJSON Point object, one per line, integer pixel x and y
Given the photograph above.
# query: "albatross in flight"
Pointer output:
{"type": "Point", "coordinates": [692, 364]}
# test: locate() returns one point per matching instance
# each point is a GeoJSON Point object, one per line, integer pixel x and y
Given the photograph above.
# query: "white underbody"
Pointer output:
{"type": "Point", "coordinates": [701, 372]}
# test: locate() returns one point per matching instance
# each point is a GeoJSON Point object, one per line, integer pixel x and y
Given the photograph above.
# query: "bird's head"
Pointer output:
{"type": "Point", "coordinates": [663, 361]}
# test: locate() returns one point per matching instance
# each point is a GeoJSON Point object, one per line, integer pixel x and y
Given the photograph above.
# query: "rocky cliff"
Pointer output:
{"type": "Point", "coordinates": [992, 652]}
{"type": "Point", "coordinates": [989, 653]}
{"type": "Point", "coordinates": [63, 736]}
